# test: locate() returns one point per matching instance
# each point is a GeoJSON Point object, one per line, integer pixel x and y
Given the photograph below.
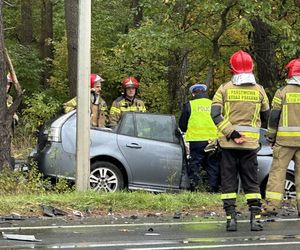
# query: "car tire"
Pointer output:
{"type": "Point", "coordinates": [106, 177]}
{"type": "Point", "coordinates": [289, 187]}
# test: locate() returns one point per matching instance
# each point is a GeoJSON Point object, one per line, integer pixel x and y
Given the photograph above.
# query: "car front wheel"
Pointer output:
{"type": "Point", "coordinates": [289, 187]}
{"type": "Point", "coordinates": [106, 177]}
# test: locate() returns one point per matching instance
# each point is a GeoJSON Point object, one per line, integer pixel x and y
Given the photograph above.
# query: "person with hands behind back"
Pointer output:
{"type": "Point", "coordinates": [238, 108]}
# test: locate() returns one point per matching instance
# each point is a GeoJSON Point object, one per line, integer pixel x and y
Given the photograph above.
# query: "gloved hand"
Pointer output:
{"type": "Point", "coordinates": [235, 134]}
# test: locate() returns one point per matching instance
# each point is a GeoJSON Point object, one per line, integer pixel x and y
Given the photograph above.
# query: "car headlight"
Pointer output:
{"type": "Point", "coordinates": [54, 134]}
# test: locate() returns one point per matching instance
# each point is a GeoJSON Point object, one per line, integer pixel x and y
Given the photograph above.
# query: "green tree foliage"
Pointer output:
{"type": "Point", "coordinates": [198, 29]}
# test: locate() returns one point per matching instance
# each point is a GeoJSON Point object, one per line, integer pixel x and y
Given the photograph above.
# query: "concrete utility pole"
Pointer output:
{"type": "Point", "coordinates": [83, 96]}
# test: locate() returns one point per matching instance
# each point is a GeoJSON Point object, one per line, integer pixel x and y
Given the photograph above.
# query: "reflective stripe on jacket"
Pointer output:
{"type": "Point", "coordinates": [240, 107]}
{"type": "Point", "coordinates": [287, 104]}
{"type": "Point", "coordinates": [99, 111]}
{"type": "Point", "coordinates": [121, 105]}
{"type": "Point", "coordinates": [200, 125]}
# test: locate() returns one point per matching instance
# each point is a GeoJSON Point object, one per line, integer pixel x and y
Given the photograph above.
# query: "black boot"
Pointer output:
{"type": "Point", "coordinates": [256, 224]}
{"type": "Point", "coordinates": [231, 223]}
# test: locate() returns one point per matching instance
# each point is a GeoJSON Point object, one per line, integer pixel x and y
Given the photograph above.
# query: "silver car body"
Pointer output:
{"type": "Point", "coordinates": [146, 147]}
{"type": "Point", "coordinates": [151, 160]}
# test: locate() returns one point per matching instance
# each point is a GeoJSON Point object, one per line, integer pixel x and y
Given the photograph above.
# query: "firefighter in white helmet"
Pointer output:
{"type": "Point", "coordinates": [237, 109]}
{"type": "Point", "coordinates": [99, 111]}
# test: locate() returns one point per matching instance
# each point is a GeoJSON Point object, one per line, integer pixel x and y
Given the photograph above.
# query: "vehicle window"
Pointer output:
{"type": "Point", "coordinates": [155, 127]}
{"type": "Point", "coordinates": [127, 127]}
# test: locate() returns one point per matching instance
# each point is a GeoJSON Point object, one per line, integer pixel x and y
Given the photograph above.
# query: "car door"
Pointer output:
{"type": "Point", "coordinates": [153, 152]}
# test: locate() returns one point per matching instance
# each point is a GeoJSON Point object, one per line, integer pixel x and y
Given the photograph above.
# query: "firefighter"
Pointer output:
{"type": "Point", "coordinates": [99, 111]}
{"type": "Point", "coordinates": [239, 106]}
{"type": "Point", "coordinates": [9, 100]}
{"type": "Point", "coordinates": [196, 121]}
{"type": "Point", "coordinates": [128, 101]}
{"type": "Point", "coordinates": [284, 135]}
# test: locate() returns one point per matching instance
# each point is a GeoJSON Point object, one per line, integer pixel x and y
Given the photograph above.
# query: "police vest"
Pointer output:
{"type": "Point", "coordinates": [200, 125]}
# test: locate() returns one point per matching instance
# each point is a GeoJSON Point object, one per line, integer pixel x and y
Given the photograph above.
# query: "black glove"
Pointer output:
{"type": "Point", "coordinates": [235, 134]}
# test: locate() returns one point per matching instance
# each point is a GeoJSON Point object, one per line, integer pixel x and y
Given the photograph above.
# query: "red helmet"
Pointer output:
{"type": "Point", "coordinates": [241, 62]}
{"type": "Point", "coordinates": [293, 68]}
{"type": "Point", "coordinates": [95, 78]}
{"type": "Point", "coordinates": [130, 82]}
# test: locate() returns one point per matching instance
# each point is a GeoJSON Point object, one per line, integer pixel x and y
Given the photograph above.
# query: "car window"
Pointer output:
{"type": "Point", "coordinates": [155, 127]}
{"type": "Point", "coordinates": [127, 127]}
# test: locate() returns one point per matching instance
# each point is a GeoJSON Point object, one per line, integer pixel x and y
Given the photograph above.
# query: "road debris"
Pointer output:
{"type": "Point", "coordinates": [12, 216]}
{"type": "Point", "coordinates": [52, 211]}
{"type": "Point", "coordinates": [21, 237]}
{"type": "Point", "coordinates": [177, 215]}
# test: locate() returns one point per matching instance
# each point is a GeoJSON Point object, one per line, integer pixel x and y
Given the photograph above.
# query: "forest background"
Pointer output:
{"type": "Point", "coordinates": [167, 44]}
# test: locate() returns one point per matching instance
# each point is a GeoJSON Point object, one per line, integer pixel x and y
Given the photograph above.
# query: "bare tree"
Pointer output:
{"type": "Point", "coordinates": [46, 45]}
{"type": "Point", "coordinates": [71, 15]}
{"type": "Point", "coordinates": [25, 28]}
{"type": "Point", "coordinates": [264, 53]}
{"type": "Point", "coordinates": [137, 13]}
{"type": "Point", "coordinates": [6, 114]}
{"type": "Point", "coordinates": [215, 42]}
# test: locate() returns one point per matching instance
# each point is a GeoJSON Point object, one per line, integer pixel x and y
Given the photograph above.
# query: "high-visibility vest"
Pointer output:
{"type": "Point", "coordinates": [200, 125]}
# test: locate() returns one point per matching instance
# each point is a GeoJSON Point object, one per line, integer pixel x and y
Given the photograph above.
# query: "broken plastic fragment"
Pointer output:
{"type": "Point", "coordinates": [19, 237]}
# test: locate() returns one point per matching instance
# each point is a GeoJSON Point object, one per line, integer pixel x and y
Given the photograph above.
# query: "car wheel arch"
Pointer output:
{"type": "Point", "coordinates": [115, 162]}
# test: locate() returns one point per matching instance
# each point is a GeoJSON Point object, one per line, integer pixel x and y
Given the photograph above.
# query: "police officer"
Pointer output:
{"type": "Point", "coordinates": [128, 101]}
{"type": "Point", "coordinates": [238, 108]}
{"type": "Point", "coordinates": [196, 121]}
{"type": "Point", "coordinates": [284, 134]}
{"type": "Point", "coordinates": [99, 112]}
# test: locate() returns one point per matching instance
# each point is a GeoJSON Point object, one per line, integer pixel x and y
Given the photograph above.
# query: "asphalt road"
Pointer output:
{"type": "Point", "coordinates": [149, 233]}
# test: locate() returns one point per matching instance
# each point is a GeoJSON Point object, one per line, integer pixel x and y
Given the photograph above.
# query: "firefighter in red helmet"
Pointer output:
{"type": "Point", "coordinates": [284, 135]}
{"type": "Point", "coordinates": [128, 101]}
{"type": "Point", "coordinates": [239, 106]}
{"type": "Point", "coordinates": [99, 112]}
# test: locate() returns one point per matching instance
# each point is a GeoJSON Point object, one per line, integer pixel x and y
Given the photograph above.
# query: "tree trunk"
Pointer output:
{"type": "Point", "coordinates": [137, 13]}
{"type": "Point", "coordinates": [264, 54]}
{"type": "Point", "coordinates": [71, 13]}
{"type": "Point", "coordinates": [46, 46]}
{"type": "Point", "coordinates": [5, 119]}
{"type": "Point", "coordinates": [177, 70]}
{"type": "Point", "coordinates": [215, 42]}
{"type": "Point", "coordinates": [26, 29]}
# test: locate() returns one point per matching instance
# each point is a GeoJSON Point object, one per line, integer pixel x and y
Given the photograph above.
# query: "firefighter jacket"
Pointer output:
{"type": "Point", "coordinates": [284, 120]}
{"type": "Point", "coordinates": [239, 108]}
{"type": "Point", "coordinates": [70, 105]}
{"type": "Point", "coordinates": [196, 121]}
{"type": "Point", "coordinates": [123, 104]}
{"type": "Point", "coordinates": [9, 102]}
{"type": "Point", "coordinates": [99, 111]}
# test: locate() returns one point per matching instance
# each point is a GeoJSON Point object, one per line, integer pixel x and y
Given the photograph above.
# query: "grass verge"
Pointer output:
{"type": "Point", "coordinates": [125, 202]}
